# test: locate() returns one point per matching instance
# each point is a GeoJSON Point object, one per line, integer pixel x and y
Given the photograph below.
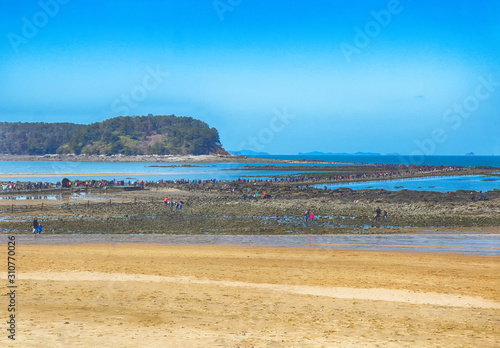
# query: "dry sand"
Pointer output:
{"type": "Point", "coordinates": [228, 296]}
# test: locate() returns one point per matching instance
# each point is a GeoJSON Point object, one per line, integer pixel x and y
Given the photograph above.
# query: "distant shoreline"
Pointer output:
{"type": "Point", "coordinates": [156, 159]}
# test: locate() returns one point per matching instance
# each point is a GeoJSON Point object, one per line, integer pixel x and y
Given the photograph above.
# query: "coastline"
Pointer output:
{"type": "Point", "coordinates": [216, 209]}
{"type": "Point", "coordinates": [274, 207]}
{"type": "Point", "coordinates": [121, 158]}
{"type": "Point", "coordinates": [153, 159]}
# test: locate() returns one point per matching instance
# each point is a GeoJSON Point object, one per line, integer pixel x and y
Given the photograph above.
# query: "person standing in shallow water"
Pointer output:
{"type": "Point", "coordinates": [35, 226]}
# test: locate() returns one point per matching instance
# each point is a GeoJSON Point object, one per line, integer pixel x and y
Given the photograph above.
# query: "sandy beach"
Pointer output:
{"type": "Point", "coordinates": [110, 294]}
{"type": "Point", "coordinates": [231, 296]}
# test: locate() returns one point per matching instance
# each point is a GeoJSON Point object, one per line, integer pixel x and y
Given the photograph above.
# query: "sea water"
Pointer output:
{"type": "Point", "coordinates": [436, 183]}
{"type": "Point", "coordinates": [53, 171]}
{"type": "Point", "coordinates": [464, 161]}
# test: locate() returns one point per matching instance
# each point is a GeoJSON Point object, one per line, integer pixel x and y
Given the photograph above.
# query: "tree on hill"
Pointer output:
{"type": "Point", "coordinates": [139, 135]}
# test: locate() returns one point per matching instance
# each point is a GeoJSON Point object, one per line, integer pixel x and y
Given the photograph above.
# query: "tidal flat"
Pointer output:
{"type": "Point", "coordinates": [219, 208]}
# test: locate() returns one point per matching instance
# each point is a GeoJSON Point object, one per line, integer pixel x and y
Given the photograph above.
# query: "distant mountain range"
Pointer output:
{"type": "Point", "coordinates": [251, 153]}
{"type": "Point", "coordinates": [248, 153]}
{"type": "Point", "coordinates": [318, 153]}
{"type": "Point", "coordinates": [313, 153]}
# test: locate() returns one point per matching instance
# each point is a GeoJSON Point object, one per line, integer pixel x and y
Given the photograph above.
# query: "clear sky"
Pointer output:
{"type": "Point", "coordinates": [276, 76]}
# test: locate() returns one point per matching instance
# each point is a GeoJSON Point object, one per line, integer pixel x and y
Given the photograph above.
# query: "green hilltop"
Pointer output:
{"type": "Point", "coordinates": [127, 135]}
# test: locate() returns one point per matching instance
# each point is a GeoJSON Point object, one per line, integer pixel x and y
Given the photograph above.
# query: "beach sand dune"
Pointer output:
{"type": "Point", "coordinates": [229, 296]}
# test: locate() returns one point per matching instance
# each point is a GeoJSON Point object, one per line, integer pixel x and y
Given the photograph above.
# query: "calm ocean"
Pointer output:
{"type": "Point", "coordinates": [55, 170]}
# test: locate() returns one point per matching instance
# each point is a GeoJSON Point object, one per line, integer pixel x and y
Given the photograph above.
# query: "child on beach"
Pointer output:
{"type": "Point", "coordinates": [39, 230]}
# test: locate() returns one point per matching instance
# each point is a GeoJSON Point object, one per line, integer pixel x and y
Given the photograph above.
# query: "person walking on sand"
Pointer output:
{"type": "Point", "coordinates": [378, 211]}
{"type": "Point", "coordinates": [35, 226]}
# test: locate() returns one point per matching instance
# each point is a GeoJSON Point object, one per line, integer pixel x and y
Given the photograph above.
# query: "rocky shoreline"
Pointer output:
{"type": "Point", "coordinates": [216, 208]}
{"type": "Point", "coordinates": [149, 158]}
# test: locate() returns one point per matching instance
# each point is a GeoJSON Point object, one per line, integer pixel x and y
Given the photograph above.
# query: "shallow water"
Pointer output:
{"type": "Point", "coordinates": [53, 171]}
{"type": "Point", "coordinates": [31, 197]}
{"type": "Point", "coordinates": [92, 196]}
{"type": "Point", "coordinates": [467, 243]}
{"type": "Point", "coordinates": [437, 183]}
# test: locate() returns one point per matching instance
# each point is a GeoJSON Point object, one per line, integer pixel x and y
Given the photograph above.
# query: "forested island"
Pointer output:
{"type": "Point", "coordinates": [125, 135]}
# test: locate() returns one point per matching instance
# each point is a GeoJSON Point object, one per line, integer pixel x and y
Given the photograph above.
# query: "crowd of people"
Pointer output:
{"type": "Point", "coordinates": [25, 186]}
{"type": "Point", "coordinates": [257, 195]}
{"type": "Point", "coordinates": [400, 171]}
{"type": "Point", "coordinates": [309, 215]}
{"type": "Point", "coordinates": [173, 205]}
{"type": "Point", "coordinates": [481, 196]}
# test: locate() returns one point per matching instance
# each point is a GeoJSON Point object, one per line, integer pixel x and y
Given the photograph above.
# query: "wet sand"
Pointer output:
{"type": "Point", "coordinates": [465, 242]}
{"type": "Point", "coordinates": [129, 295]}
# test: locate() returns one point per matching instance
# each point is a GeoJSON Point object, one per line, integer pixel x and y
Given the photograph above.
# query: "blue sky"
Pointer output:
{"type": "Point", "coordinates": [413, 77]}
